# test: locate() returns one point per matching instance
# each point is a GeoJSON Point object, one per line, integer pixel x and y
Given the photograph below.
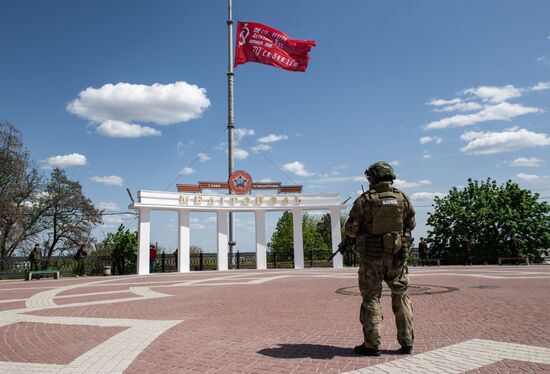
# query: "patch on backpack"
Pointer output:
{"type": "Point", "coordinates": [389, 202]}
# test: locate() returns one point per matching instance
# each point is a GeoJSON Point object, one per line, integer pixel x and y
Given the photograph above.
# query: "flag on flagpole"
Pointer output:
{"type": "Point", "coordinates": [266, 45]}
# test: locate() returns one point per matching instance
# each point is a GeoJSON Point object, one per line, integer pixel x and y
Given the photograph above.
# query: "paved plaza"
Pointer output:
{"type": "Point", "coordinates": [479, 319]}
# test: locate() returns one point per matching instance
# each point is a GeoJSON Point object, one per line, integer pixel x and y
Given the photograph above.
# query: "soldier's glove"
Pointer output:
{"type": "Point", "coordinates": [406, 246]}
{"type": "Point", "coordinates": [346, 245]}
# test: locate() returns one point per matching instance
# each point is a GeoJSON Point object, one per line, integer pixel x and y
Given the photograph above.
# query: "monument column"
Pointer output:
{"type": "Point", "coordinates": [144, 240]}
{"type": "Point", "coordinates": [298, 239]}
{"type": "Point", "coordinates": [261, 243]}
{"type": "Point", "coordinates": [336, 234]}
{"type": "Point", "coordinates": [222, 239]}
{"type": "Point", "coordinates": [183, 241]}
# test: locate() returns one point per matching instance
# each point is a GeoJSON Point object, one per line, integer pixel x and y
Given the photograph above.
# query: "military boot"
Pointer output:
{"type": "Point", "coordinates": [406, 349]}
{"type": "Point", "coordinates": [364, 351]}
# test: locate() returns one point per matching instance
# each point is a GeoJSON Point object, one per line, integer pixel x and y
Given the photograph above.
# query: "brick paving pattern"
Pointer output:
{"type": "Point", "coordinates": [480, 319]}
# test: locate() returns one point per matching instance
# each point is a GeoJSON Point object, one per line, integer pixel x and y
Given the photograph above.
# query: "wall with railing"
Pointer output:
{"type": "Point", "coordinates": [15, 267]}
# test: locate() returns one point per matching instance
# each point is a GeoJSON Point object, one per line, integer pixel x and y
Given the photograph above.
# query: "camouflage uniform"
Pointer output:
{"type": "Point", "coordinates": [36, 258]}
{"type": "Point", "coordinates": [380, 223]}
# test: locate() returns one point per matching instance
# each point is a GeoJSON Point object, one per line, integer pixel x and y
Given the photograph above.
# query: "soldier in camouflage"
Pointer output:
{"type": "Point", "coordinates": [380, 225]}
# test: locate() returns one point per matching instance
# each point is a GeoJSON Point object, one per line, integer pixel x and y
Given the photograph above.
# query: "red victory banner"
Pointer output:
{"type": "Point", "coordinates": [266, 45]}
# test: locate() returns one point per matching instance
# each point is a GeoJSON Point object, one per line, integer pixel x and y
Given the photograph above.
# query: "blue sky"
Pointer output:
{"type": "Point", "coordinates": [128, 93]}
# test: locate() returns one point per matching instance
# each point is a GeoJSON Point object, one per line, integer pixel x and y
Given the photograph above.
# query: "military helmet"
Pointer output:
{"type": "Point", "coordinates": [380, 171]}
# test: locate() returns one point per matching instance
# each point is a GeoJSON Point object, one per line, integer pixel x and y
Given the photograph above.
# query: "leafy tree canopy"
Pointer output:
{"type": "Point", "coordinates": [314, 233]}
{"type": "Point", "coordinates": [70, 217]}
{"type": "Point", "coordinates": [489, 215]}
{"type": "Point", "coordinates": [20, 186]}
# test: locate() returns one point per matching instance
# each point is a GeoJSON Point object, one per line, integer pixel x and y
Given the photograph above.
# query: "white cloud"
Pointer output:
{"type": "Point", "coordinates": [113, 221]}
{"type": "Point", "coordinates": [495, 95]}
{"type": "Point", "coordinates": [162, 104]}
{"type": "Point", "coordinates": [203, 157]}
{"type": "Point", "coordinates": [261, 148]}
{"type": "Point", "coordinates": [63, 161]}
{"type": "Point", "coordinates": [543, 60]}
{"type": "Point", "coordinates": [395, 163]}
{"type": "Point", "coordinates": [297, 168]}
{"type": "Point", "coordinates": [428, 139]}
{"type": "Point", "coordinates": [527, 162]}
{"type": "Point", "coordinates": [460, 107]}
{"type": "Point", "coordinates": [541, 86]}
{"type": "Point", "coordinates": [502, 111]}
{"type": "Point", "coordinates": [443, 102]}
{"type": "Point", "coordinates": [426, 156]}
{"type": "Point", "coordinates": [272, 138]}
{"type": "Point", "coordinates": [111, 180]}
{"type": "Point", "coordinates": [240, 154]}
{"type": "Point", "coordinates": [241, 132]}
{"type": "Point", "coordinates": [119, 129]}
{"type": "Point", "coordinates": [186, 171]}
{"type": "Point", "coordinates": [107, 206]}
{"type": "Point", "coordinates": [220, 147]}
{"type": "Point", "coordinates": [427, 195]}
{"type": "Point", "coordinates": [399, 183]}
{"type": "Point", "coordinates": [486, 143]}
{"type": "Point", "coordinates": [527, 177]}
{"type": "Point", "coordinates": [197, 226]}
{"type": "Point", "coordinates": [452, 105]}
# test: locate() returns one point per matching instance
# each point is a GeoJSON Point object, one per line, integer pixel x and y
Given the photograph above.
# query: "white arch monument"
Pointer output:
{"type": "Point", "coordinates": [222, 204]}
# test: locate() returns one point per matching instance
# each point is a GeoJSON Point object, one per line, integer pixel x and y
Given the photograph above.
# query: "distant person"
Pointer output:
{"type": "Point", "coordinates": [118, 260]}
{"type": "Point", "coordinates": [467, 250]}
{"type": "Point", "coordinates": [35, 258]}
{"type": "Point", "coordinates": [423, 251]}
{"type": "Point", "coordinates": [380, 225]}
{"type": "Point", "coordinates": [80, 258]}
{"type": "Point", "coordinates": [152, 258]}
{"type": "Point", "coordinates": [514, 247]}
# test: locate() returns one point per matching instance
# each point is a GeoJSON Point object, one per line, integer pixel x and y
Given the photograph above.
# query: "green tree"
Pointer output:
{"type": "Point", "coordinates": [70, 216]}
{"type": "Point", "coordinates": [324, 227]}
{"type": "Point", "coordinates": [489, 214]}
{"type": "Point", "coordinates": [282, 240]}
{"type": "Point", "coordinates": [313, 239]}
{"type": "Point", "coordinates": [20, 184]}
{"type": "Point", "coordinates": [122, 246]}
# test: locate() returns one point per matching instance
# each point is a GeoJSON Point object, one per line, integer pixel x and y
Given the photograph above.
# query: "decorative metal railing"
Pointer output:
{"type": "Point", "coordinates": [15, 267]}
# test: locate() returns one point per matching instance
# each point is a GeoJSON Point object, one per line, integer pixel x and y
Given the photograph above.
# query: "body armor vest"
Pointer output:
{"type": "Point", "coordinates": [387, 212]}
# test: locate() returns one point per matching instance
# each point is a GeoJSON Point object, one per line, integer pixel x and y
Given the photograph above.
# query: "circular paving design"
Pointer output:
{"type": "Point", "coordinates": [416, 289]}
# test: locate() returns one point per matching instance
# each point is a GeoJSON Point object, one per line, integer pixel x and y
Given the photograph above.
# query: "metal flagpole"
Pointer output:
{"type": "Point", "coordinates": [230, 119]}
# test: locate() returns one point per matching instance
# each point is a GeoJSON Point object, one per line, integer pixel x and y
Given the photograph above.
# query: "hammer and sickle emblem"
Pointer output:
{"type": "Point", "coordinates": [244, 35]}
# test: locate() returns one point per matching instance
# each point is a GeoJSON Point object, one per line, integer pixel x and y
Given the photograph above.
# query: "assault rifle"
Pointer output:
{"type": "Point", "coordinates": [344, 246]}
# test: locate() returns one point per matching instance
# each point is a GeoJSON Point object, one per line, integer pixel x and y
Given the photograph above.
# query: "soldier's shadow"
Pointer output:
{"type": "Point", "coordinates": [314, 351]}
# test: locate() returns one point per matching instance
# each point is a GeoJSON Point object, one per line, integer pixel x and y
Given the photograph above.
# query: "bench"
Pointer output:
{"type": "Point", "coordinates": [30, 273]}
{"type": "Point", "coordinates": [518, 259]}
{"type": "Point", "coordinates": [428, 261]}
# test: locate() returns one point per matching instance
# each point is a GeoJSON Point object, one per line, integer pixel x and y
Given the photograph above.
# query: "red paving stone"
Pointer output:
{"type": "Point", "coordinates": [12, 305]}
{"type": "Point", "coordinates": [87, 298]}
{"type": "Point", "coordinates": [300, 324]}
{"type": "Point", "coordinates": [49, 343]}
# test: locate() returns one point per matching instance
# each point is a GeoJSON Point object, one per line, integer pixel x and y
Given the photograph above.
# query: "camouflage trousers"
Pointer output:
{"type": "Point", "coordinates": [371, 274]}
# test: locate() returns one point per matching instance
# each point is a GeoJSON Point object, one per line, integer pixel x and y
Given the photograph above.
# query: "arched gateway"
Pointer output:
{"type": "Point", "coordinates": [191, 198]}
